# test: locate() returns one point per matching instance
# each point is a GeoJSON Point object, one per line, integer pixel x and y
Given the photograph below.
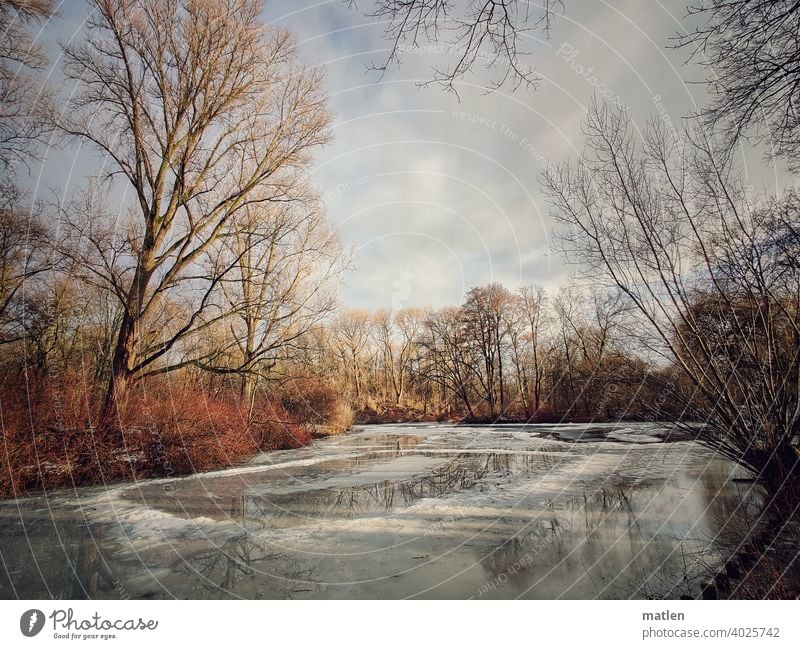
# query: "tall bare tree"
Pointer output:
{"type": "Point", "coordinates": [485, 310]}
{"type": "Point", "coordinates": [450, 361]}
{"type": "Point", "coordinates": [23, 110]}
{"type": "Point", "coordinates": [23, 95]}
{"type": "Point", "coordinates": [397, 334]}
{"type": "Point", "coordinates": [707, 270]}
{"type": "Point", "coordinates": [282, 285]}
{"type": "Point", "coordinates": [352, 335]}
{"type": "Point", "coordinates": [533, 300]}
{"type": "Point", "coordinates": [24, 255]}
{"type": "Point", "coordinates": [203, 111]}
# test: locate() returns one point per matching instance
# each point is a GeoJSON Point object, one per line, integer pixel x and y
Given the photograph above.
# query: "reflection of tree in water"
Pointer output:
{"type": "Point", "coordinates": [668, 552]}
{"type": "Point", "coordinates": [734, 512]}
{"type": "Point", "coordinates": [243, 567]}
{"type": "Point", "coordinates": [593, 511]}
{"type": "Point", "coordinates": [462, 473]}
{"type": "Point", "coordinates": [514, 562]}
{"type": "Point", "coordinates": [88, 574]}
{"type": "Point", "coordinates": [385, 442]}
{"type": "Point", "coordinates": [610, 542]}
{"type": "Point", "coordinates": [53, 557]}
{"type": "Point", "coordinates": [748, 550]}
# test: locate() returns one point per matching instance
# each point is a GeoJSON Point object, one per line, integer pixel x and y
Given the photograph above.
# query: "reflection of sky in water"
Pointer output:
{"type": "Point", "coordinates": [393, 511]}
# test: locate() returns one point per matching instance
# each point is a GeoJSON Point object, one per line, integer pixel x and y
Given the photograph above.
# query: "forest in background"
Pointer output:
{"type": "Point", "coordinates": [500, 356]}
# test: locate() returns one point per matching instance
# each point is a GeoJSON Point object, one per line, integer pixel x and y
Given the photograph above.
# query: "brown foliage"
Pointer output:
{"type": "Point", "coordinates": [314, 401]}
{"type": "Point", "coordinates": [50, 437]}
{"type": "Point", "coordinates": [47, 435]}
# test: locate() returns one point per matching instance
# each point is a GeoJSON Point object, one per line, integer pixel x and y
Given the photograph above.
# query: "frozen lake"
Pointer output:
{"type": "Point", "coordinates": [394, 511]}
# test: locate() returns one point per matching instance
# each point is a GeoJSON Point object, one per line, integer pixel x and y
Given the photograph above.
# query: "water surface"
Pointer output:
{"type": "Point", "coordinates": [394, 511]}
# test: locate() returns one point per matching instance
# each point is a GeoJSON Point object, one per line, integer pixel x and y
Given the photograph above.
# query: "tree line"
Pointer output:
{"type": "Point", "coordinates": [501, 355]}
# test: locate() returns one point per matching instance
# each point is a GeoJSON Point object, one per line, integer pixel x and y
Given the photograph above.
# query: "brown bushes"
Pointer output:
{"type": "Point", "coordinates": [50, 438]}
{"type": "Point", "coordinates": [315, 402]}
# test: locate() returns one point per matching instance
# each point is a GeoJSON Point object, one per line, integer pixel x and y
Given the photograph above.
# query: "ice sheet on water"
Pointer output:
{"type": "Point", "coordinates": [400, 510]}
{"type": "Point", "coordinates": [633, 436]}
{"type": "Point", "coordinates": [537, 467]}
{"type": "Point", "coordinates": [397, 469]}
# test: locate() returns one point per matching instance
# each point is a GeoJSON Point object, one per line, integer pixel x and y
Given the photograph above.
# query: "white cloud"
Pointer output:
{"type": "Point", "coordinates": [447, 190]}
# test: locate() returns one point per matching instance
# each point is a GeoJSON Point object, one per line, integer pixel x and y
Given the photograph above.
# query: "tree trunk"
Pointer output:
{"type": "Point", "coordinates": [249, 393]}
{"type": "Point", "coordinates": [501, 379]}
{"type": "Point", "coordinates": [122, 364]}
{"type": "Point", "coordinates": [248, 378]}
{"type": "Point", "coordinates": [126, 355]}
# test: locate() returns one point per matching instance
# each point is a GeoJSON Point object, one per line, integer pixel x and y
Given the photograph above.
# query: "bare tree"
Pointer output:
{"type": "Point", "coordinates": [567, 306]}
{"type": "Point", "coordinates": [24, 255]}
{"type": "Point", "coordinates": [67, 324]}
{"type": "Point", "coordinates": [533, 300]}
{"type": "Point", "coordinates": [285, 262]}
{"type": "Point", "coordinates": [384, 334]}
{"type": "Point", "coordinates": [752, 51]}
{"type": "Point", "coordinates": [449, 359]}
{"type": "Point", "coordinates": [23, 236]}
{"type": "Point", "coordinates": [352, 331]}
{"type": "Point", "coordinates": [519, 351]}
{"type": "Point", "coordinates": [485, 309]}
{"type": "Point", "coordinates": [203, 111]}
{"type": "Point", "coordinates": [397, 334]}
{"type": "Point", "coordinates": [478, 359]}
{"type": "Point", "coordinates": [587, 334]}
{"type": "Point", "coordinates": [669, 224]}
{"type": "Point", "coordinates": [488, 32]}
{"type": "Point", "coordinates": [23, 98]}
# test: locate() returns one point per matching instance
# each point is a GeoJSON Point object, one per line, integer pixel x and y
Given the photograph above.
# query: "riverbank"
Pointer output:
{"type": "Point", "coordinates": [761, 537]}
{"type": "Point", "coordinates": [216, 437]}
{"type": "Point", "coordinates": [51, 438]}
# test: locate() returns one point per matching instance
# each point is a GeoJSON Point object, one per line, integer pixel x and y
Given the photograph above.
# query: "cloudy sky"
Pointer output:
{"type": "Point", "coordinates": [434, 192]}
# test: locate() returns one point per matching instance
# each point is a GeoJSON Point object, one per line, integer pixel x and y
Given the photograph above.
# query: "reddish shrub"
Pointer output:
{"type": "Point", "coordinates": [165, 428]}
{"type": "Point", "coordinates": [188, 429]}
{"type": "Point", "coordinates": [277, 428]}
{"type": "Point", "coordinates": [48, 435]}
{"type": "Point", "coordinates": [316, 402]}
